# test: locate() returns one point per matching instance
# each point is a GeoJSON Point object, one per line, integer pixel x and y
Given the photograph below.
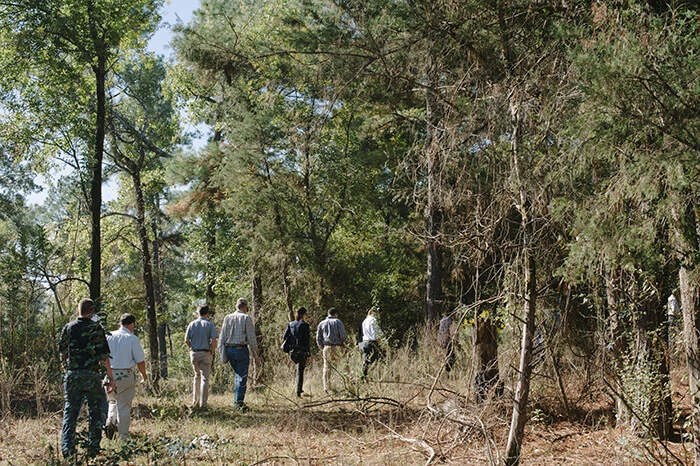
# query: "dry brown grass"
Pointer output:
{"type": "Point", "coordinates": [387, 421]}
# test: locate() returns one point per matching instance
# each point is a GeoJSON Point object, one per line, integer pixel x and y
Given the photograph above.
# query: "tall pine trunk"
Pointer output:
{"type": "Point", "coordinates": [100, 71]}
{"type": "Point", "coordinates": [686, 235]}
{"type": "Point", "coordinates": [210, 239]}
{"type": "Point", "coordinates": [147, 272]}
{"type": "Point", "coordinates": [257, 305]}
{"type": "Point", "coordinates": [432, 212]}
{"type": "Point", "coordinates": [160, 294]}
{"type": "Point", "coordinates": [614, 332]}
{"type": "Point", "coordinates": [287, 289]}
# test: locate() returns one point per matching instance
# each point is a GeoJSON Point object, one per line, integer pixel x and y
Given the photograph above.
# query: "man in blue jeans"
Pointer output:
{"type": "Point", "coordinates": [237, 342]}
{"type": "Point", "coordinates": [85, 357]}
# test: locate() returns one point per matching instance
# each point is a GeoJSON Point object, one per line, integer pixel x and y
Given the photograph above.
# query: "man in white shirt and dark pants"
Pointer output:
{"type": "Point", "coordinates": [125, 353]}
{"type": "Point", "coordinates": [369, 344]}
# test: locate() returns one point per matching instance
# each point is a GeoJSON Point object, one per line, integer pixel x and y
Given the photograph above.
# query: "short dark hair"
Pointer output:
{"type": "Point", "coordinates": [332, 311]}
{"type": "Point", "coordinates": [203, 310]}
{"type": "Point", "coordinates": [301, 312]}
{"type": "Point", "coordinates": [127, 319]}
{"type": "Point", "coordinates": [86, 306]}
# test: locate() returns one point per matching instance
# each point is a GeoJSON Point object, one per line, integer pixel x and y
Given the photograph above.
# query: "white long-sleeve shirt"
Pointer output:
{"type": "Point", "coordinates": [370, 329]}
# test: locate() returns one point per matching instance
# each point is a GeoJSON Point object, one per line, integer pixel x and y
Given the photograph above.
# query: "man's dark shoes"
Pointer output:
{"type": "Point", "coordinates": [110, 431]}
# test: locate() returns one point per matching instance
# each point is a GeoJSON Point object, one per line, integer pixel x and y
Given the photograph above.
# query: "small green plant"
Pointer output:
{"type": "Point", "coordinates": [539, 417]}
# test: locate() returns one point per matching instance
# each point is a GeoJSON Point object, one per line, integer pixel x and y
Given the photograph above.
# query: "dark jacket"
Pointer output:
{"type": "Point", "coordinates": [299, 335]}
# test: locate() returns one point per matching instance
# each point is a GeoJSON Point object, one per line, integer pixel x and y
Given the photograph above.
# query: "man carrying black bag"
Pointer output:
{"type": "Point", "coordinates": [296, 342]}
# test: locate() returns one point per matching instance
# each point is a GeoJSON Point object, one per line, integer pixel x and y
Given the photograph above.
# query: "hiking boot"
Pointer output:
{"type": "Point", "coordinates": [110, 431]}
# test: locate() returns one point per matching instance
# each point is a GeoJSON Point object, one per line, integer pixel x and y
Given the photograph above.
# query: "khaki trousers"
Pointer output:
{"type": "Point", "coordinates": [201, 363]}
{"type": "Point", "coordinates": [120, 399]}
{"type": "Point", "coordinates": [330, 354]}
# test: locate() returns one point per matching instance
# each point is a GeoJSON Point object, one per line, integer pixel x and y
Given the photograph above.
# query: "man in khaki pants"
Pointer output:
{"type": "Point", "coordinates": [200, 338]}
{"type": "Point", "coordinates": [125, 352]}
{"type": "Point", "coordinates": [330, 334]}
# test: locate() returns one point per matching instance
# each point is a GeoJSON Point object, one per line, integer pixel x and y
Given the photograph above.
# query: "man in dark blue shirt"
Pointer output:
{"type": "Point", "coordinates": [299, 336]}
{"type": "Point", "coordinates": [85, 357]}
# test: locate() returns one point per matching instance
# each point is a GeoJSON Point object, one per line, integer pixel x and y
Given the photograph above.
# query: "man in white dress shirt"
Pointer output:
{"type": "Point", "coordinates": [369, 342]}
{"type": "Point", "coordinates": [125, 352]}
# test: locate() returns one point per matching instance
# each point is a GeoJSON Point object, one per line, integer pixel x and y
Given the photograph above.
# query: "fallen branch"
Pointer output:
{"type": "Point", "coordinates": [377, 400]}
{"type": "Point", "coordinates": [489, 442]}
{"type": "Point", "coordinates": [421, 443]}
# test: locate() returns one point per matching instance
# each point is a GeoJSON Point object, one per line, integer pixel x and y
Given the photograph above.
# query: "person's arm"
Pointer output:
{"type": "Point", "coordinates": [142, 369]}
{"type": "Point", "coordinates": [188, 341]}
{"type": "Point", "coordinates": [341, 332]}
{"type": "Point", "coordinates": [222, 341]}
{"type": "Point", "coordinates": [110, 378]}
{"type": "Point", "coordinates": [319, 336]}
{"type": "Point", "coordinates": [213, 335]}
{"type": "Point", "coordinates": [304, 336]}
{"type": "Point", "coordinates": [250, 336]}
{"type": "Point", "coordinates": [139, 355]}
{"type": "Point", "coordinates": [63, 348]}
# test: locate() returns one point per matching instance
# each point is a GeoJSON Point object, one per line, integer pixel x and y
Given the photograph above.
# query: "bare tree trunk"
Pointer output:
{"type": "Point", "coordinates": [613, 285]}
{"type": "Point", "coordinates": [163, 349]}
{"type": "Point", "coordinates": [147, 278]}
{"type": "Point", "coordinates": [686, 228]}
{"type": "Point", "coordinates": [690, 303]}
{"type": "Point", "coordinates": [287, 290]}
{"type": "Point", "coordinates": [96, 182]}
{"type": "Point", "coordinates": [257, 301]}
{"type": "Point", "coordinates": [160, 295]}
{"type": "Point", "coordinates": [486, 374]}
{"type": "Point", "coordinates": [210, 232]}
{"type": "Point", "coordinates": [432, 214]}
{"type": "Point", "coordinates": [522, 390]}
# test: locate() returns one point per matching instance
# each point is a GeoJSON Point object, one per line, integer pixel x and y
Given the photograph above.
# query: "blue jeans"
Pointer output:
{"type": "Point", "coordinates": [82, 386]}
{"type": "Point", "coordinates": [239, 358]}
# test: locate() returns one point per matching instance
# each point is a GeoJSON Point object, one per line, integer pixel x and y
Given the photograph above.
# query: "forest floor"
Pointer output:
{"type": "Point", "coordinates": [362, 424]}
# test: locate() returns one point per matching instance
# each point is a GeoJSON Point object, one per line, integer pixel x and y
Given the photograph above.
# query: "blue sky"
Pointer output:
{"type": "Point", "coordinates": [172, 12]}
